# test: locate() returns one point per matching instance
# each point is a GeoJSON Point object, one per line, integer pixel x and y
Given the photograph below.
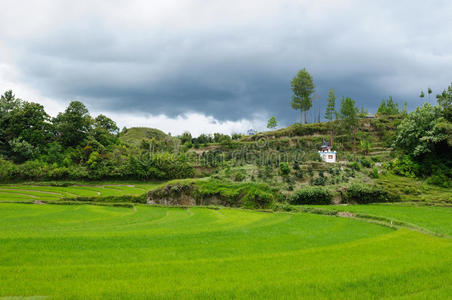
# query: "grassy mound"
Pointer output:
{"type": "Point", "coordinates": [135, 135]}
{"type": "Point", "coordinates": [207, 192]}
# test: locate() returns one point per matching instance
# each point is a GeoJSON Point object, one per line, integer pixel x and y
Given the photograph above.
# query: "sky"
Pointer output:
{"type": "Point", "coordinates": [220, 66]}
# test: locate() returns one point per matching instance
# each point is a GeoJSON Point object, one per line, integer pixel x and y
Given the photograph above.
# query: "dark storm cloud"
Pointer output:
{"type": "Point", "coordinates": [234, 63]}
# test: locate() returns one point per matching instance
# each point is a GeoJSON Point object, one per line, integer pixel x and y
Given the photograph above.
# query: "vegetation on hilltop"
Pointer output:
{"type": "Point", "coordinates": [76, 146]}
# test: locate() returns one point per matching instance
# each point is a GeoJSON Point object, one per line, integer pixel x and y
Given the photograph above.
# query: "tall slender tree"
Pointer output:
{"type": "Point", "coordinates": [349, 117]}
{"type": "Point", "coordinates": [331, 106]}
{"type": "Point", "coordinates": [303, 87]}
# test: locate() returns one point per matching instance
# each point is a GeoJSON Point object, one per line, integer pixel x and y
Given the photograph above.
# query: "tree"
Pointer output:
{"type": "Point", "coordinates": [331, 106]}
{"type": "Point", "coordinates": [388, 107]}
{"type": "Point", "coordinates": [73, 126]}
{"type": "Point", "coordinates": [105, 130]}
{"type": "Point", "coordinates": [349, 116]}
{"type": "Point", "coordinates": [419, 133]}
{"type": "Point", "coordinates": [445, 102]}
{"type": "Point", "coordinates": [363, 112]}
{"type": "Point", "coordinates": [272, 123]}
{"type": "Point", "coordinates": [404, 111]}
{"type": "Point", "coordinates": [302, 87]}
{"type": "Point", "coordinates": [422, 95]}
{"type": "Point", "coordinates": [186, 137]}
{"type": "Point", "coordinates": [8, 103]}
{"type": "Point", "coordinates": [30, 123]}
{"type": "Point", "coordinates": [348, 113]}
{"type": "Point", "coordinates": [106, 123]}
{"type": "Point", "coordinates": [25, 128]}
{"type": "Point", "coordinates": [429, 92]}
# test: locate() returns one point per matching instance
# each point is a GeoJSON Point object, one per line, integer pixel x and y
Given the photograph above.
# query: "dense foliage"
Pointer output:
{"type": "Point", "coordinates": [424, 139]}
{"type": "Point", "coordinates": [205, 192]}
{"type": "Point", "coordinates": [73, 145]}
{"type": "Point", "coordinates": [312, 195]}
{"type": "Point", "coordinates": [362, 194]}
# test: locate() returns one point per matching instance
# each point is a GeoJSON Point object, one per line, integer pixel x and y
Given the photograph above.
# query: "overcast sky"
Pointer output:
{"type": "Point", "coordinates": [220, 66]}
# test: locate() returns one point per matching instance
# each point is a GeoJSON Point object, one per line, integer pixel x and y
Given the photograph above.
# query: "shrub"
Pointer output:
{"type": "Point", "coordinates": [284, 167]}
{"type": "Point", "coordinates": [312, 195]}
{"type": "Point", "coordinates": [375, 159]}
{"type": "Point", "coordinates": [362, 194]}
{"type": "Point", "coordinates": [366, 163]}
{"type": "Point", "coordinates": [239, 175]}
{"type": "Point", "coordinates": [318, 181]}
{"type": "Point", "coordinates": [405, 166]}
{"type": "Point", "coordinates": [299, 174]}
{"type": "Point", "coordinates": [355, 166]}
{"type": "Point", "coordinates": [251, 195]}
{"type": "Point", "coordinates": [374, 173]}
{"type": "Point", "coordinates": [439, 180]}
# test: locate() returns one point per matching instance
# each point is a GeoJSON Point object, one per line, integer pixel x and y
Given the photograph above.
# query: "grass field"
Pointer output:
{"type": "Point", "coordinates": [32, 192]}
{"type": "Point", "coordinates": [437, 219]}
{"type": "Point", "coordinates": [85, 251]}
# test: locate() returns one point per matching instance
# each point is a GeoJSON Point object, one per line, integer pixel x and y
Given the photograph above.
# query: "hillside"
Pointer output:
{"type": "Point", "coordinates": [135, 135]}
{"type": "Point", "coordinates": [287, 160]}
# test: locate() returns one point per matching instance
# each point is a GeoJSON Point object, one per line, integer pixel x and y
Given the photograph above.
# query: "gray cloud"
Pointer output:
{"type": "Point", "coordinates": [231, 60]}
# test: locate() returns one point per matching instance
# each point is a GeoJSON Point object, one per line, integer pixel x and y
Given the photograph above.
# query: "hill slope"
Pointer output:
{"type": "Point", "coordinates": [135, 135]}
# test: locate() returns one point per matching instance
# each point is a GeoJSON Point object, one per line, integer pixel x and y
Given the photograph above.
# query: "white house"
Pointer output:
{"type": "Point", "coordinates": [326, 153]}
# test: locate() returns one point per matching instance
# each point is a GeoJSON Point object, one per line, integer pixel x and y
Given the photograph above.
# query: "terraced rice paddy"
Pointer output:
{"type": "Point", "coordinates": [435, 219]}
{"type": "Point", "coordinates": [31, 193]}
{"type": "Point", "coordinates": [86, 251]}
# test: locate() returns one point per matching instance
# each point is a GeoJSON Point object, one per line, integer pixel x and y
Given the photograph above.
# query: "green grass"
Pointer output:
{"type": "Point", "coordinates": [85, 251]}
{"type": "Point", "coordinates": [32, 192]}
{"type": "Point", "coordinates": [135, 135]}
{"type": "Point", "coordinates": [411, 189]}
{"type": "Point", "coordinates": [436, 219]}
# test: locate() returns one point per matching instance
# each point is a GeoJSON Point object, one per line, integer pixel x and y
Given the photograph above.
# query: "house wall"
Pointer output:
{"type": "Point", "coordinates": [328, 156]}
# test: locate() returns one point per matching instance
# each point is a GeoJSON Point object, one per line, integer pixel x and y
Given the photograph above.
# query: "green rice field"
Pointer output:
{"type": "Point", "coordinates": [103, 252]}
{"type": "Point", "coordinates": [31, 192]}
{"type": "Point", "coordinates": [436, 219]}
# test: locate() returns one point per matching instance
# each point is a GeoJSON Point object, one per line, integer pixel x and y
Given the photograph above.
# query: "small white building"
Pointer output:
{"type": "Point", "coordinates": [326, 152]}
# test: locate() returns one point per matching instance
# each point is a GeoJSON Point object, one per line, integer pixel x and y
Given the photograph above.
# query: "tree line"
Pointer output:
{"type": "Point", "coordinates": [74, 145]}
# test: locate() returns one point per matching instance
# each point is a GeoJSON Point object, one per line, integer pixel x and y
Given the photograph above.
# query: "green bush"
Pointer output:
{"type": "Point", "coordinates": [318, 181]}
{"type": "Point", "coordinates": [312, 195]}
{"type": "Point", "coordinates": [239, 175]}
{"type": "Point", "coordinates": [284, 167]}
{"type": "Point", "coordinates": [366, 163]}
{"type": "Point", "coordinates": [247, 194]}
{"type": "Point", "coordinates": [362, 194]}
{"type": "Point", "coordinates": [374, 173]}
{"type": "Point", "coordinates": [355, 166]}
{"type": "Point", "coordinates": [440, 180]}
{"type": "Point", "coordinates": [405, 166]}
{"type": "Point", "coordinates": [299, 174]}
